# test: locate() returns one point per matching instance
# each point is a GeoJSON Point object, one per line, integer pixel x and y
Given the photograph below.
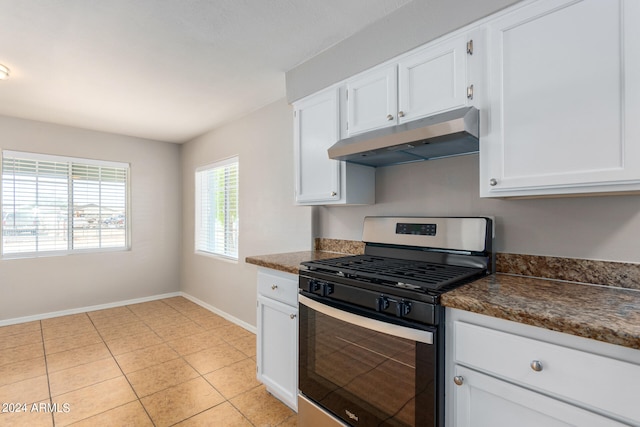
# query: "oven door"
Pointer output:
{"type": "Point", "coordinates": [366, 370]}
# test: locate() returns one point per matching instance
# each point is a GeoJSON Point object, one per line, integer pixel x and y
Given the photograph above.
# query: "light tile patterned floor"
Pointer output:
{"type": "Point", "coordinates": [160, 363]}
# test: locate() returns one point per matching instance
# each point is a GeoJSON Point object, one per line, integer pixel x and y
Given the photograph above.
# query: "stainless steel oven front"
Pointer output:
{"type": "Point", "coordinates": [365, 368]}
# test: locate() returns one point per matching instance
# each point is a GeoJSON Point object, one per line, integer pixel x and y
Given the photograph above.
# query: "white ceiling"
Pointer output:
{"type": "Point", "coordinates": [167, 70]}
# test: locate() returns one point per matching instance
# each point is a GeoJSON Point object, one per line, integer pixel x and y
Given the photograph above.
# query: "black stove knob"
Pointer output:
{"type": "Point", "coordinates": [314, 285]}
{"type": "Point", "coordinates": [403, 308]}
{"type": "Point", "coordinates": [382, 303]}
{"type": "Point", "coordinates": [327, 289]}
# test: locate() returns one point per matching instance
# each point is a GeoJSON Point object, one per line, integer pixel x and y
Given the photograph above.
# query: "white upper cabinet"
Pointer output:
{"type": "Point", "coordinates": [563, 99]}
{"type": "Point", "coordinates": [372, 100]}
{"type": "Point", "coordinates": [315, 130]}
{"type": "Point", "coordinates": [433, 79]}
{"type": "Point", "coordinates": [320, 180]}
{"type": "Point", "coordinates": [427, 81]}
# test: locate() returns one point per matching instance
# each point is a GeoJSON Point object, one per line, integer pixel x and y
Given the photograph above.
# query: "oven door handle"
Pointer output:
{"type": "Point", "coordinates": [365, 322]}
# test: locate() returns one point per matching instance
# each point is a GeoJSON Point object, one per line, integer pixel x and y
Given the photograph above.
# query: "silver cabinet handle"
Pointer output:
{"type": "Point", "coordinates": [274, 287]}
{"type": "Point", "coordinates": [389, 117]}
{"type": "Point", "coordinates": [400, 113]}
{"type": "Point", "coordinates": [493, 182]}
{"type": "Point", "coordinates": [334, 194]}
{"type": "Point", "coordinates": [292, 316]}
{"type": "Point", "coordinates": [536, 365]}
{"type": "Point", "coordinates": [458, 380]}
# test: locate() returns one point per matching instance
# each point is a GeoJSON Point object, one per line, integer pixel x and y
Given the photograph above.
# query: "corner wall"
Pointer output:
{"type": "Point", "coordinates": [269, 221]}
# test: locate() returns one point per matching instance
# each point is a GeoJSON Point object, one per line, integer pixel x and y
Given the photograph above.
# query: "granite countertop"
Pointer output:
{"type": "Point", "coordinates": [604, 313]}
{"type": "Point", "coordinates": [290, 262]}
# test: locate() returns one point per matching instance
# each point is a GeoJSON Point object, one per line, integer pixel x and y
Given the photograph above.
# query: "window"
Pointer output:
{"type": "Point", "coordinates": [53, 204]}
{"type": "Point", "coordinates": [217, 209]}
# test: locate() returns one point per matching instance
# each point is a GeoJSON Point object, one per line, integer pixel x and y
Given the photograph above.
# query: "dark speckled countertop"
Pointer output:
{"type": "Point", "coordinates": [605, 313]}
{"type": "Point", "coordinates": [289, 262]}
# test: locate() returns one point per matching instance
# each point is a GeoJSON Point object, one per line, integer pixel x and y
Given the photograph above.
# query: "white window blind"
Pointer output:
{"type": "Point", "coordinates": [60, 204]}
{"type": "Point", "coordinates": [217, 209]}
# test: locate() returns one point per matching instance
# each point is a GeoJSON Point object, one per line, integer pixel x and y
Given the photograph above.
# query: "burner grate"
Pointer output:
{"type": "Point", "coordinates": [426, 275]}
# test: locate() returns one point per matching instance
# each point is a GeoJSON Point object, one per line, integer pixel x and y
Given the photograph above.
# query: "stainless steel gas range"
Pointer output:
{"type": "Point", "coordinates": [371, 339]}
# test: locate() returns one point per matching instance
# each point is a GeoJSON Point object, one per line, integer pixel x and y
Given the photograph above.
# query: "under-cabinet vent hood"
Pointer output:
{"type": "Point", "coordinates": [447, 134]}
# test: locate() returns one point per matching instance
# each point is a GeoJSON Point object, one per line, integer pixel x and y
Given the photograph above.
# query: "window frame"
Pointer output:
{"type": "Point", "coordinates": [220, 164]}
{"type": "Point", "coordinates": [70, 162]}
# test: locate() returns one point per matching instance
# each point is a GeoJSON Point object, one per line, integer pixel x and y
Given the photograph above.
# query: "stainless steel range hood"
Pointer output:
{"type": "Point", "coordinates": [447, 134]}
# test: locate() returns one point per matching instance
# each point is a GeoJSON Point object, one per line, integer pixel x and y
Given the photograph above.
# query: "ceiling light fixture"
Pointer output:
{"type": "Point", "coordinates": [4, 72]}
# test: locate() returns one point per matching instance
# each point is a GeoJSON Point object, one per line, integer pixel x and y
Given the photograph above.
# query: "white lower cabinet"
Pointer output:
{"type": "Point", "coordinates": [277, 346]}
{"type": "Point", "coordinates": [502, 373]}
{"type": "Point", "coordinates": [482, 400]}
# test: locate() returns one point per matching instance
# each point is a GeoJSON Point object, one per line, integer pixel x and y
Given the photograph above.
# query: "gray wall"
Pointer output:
{"type": "Point", "coordinates": [602, 227]}
{"type": "Point", "coordinates": [34, 286]}
{"type": "Point", "coordinates": [269, 222]}
{"type": "Point", "coordinates": [412, 25]}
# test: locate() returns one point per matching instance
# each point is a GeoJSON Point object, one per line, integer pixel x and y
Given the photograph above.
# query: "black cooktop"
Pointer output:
{"type": "Point", "coordinates": [409, 274]}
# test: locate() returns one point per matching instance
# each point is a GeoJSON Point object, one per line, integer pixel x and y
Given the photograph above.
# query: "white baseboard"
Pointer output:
{"type": "Point", "coordinates": [221, 313]}
{"type": "Point", "coordinates": [85, 309]}
{"type": "Point", "coordinates": [201, 303]}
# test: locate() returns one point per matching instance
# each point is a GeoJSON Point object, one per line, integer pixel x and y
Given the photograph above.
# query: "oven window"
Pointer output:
{"type": "Point", "coordinates": [363, 376]}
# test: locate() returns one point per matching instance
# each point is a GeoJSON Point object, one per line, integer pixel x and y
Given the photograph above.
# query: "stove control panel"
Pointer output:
{"type": "Point", "coordinates": [416, 229]}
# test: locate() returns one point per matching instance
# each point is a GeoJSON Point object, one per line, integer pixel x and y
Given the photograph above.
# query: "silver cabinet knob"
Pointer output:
{"type": "Point", "coordinates": [274, 287]}
{"type": "Point", "coordinates": [334, 194]}
{"type": "Point", "coordinates": [400, 113]}
{"type": "Point", "coordinates": [292, 316]}
{"type": "Point", "coordinates": [536, 365]}
{"type": "Point", "coordinates": [458, 380]}
{"type": "Point", "coordinates": [493, 182]}
{"type": "Point", "coordinates": [389, 117]}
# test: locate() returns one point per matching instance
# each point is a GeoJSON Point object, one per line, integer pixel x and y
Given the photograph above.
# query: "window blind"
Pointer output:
{"type": "Point", "coordinates": [60, 204]}
{"type": "Point", "coordinates": [217, 216]}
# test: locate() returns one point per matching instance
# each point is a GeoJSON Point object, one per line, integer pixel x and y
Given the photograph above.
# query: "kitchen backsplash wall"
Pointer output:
{"type": "Point", "coordinates": [619, 274]}
{"type": "Point", "coordinates": [595, 228]}
{"type": "Point", "coordinates": [622, 275]}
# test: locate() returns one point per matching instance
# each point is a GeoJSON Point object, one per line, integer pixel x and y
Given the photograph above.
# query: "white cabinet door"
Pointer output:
{"type": "Point", "coordinates": [564, 99]}
{"type": "Point", "coordinates": [315, 130]}
{"type": "Point", "coordinates": [277, 349]}
{"type": "Point", "coordinates": [372, 100]}
{"type": "Point", "coordinates": [320, 180]}
{"type": "Point", "coordinates": [484, 401]}
{"type": "Point", "coordinates": [433, 80]}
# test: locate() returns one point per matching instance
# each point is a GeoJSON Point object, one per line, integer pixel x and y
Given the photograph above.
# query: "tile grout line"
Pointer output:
{"type": "Point", "coordinates": [46, 370]}
{"type": "Point", "coordinates": [99, 382]}
{"type": "Point", "coordinates": [120, 367]}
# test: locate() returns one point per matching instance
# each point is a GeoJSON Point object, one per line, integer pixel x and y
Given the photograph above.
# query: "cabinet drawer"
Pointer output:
{"type": "Point", "coordinates": [282, 287]}
{"type": "Point", "coordinates": [608, 385]}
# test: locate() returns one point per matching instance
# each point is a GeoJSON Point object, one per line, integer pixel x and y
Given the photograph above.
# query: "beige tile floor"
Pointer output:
{"type": "Point", "coordinates": [160, 363]}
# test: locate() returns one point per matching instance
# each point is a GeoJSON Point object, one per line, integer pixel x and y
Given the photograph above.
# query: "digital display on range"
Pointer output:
{"type": "Point", "coordinates": [416, 229]}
